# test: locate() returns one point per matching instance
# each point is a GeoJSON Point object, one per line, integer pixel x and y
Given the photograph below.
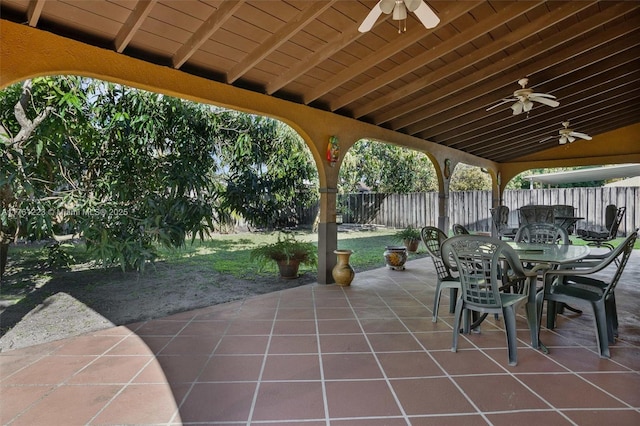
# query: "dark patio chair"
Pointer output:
{"type": "Point", "coordinates": [459, 229]}
{"type": "Point", "coordinates": [535, 214]}
{"type": "Point", "coordinates": [564, 210]}
{"type": "Point", "coordinates": [485, 265]}
{"type": "Point", "coordinates": [500, 219]}
{"type": "Point", "coordinates": [575, 284]}
{"type": "Point", "coordinates": [603, 237]}
{"type": "Point", "coordinates": [433, 238]}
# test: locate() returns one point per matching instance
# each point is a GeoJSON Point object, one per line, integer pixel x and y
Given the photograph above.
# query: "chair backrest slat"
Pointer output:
{"type": "Point", "coordinates": [433, 238]}
{"type": "Point", "coordinates": [542, 233]}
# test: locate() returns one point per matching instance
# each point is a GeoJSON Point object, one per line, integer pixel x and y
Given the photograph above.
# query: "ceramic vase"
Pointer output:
{"type": "Point", "coordinates": [395, 257]}
{"type": "Point", "coordinates": [343, 273]}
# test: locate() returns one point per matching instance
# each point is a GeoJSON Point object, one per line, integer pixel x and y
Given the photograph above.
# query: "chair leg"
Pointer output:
{"type": "Point", "coordinates": [453, 296]}
{"type": "Point", "coordinates": [612, 321]}
{"type": "Point", "coordinates": [551, 314]}
{"type": "Point", "coordinates": [532, 321]}
{"type": "Point", "coordinates": [436, 303]}
{"type": "Point", "coordinates": [612, 313]}
{"type": "Point", "coordinates": [600, 315]}
{"type": "Point", "coordinates": [466, 321]}
{"type": "Point", "coordinates": [509, 314]}
{"type": "Point", "coordinates": [456, 324]}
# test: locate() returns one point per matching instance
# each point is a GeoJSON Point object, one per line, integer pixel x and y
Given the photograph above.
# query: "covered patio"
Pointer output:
{"type": "Point", "coordinates": [367, 354]}
{"type": "Point", "coordinates": [307, 64]}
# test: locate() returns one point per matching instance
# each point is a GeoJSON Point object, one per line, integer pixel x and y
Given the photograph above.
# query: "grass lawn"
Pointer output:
{"type": "Point", "coordinates": [230, 253]}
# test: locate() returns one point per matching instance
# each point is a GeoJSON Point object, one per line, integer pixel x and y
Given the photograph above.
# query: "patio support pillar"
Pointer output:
{"type": "Point", "coordinates": [444, 171]}
{"type": "Point", "coordinates": [327, 235]}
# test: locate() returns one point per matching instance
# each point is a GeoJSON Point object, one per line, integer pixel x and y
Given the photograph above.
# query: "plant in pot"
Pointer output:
{"type": "Point", "coordinates": [288, 253]}
{"type": "Point", "coordinates": [410, 237]}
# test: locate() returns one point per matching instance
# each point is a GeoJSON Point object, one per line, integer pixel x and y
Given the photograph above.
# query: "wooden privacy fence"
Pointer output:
{"type": "Point", "coordinates": [471, 208]}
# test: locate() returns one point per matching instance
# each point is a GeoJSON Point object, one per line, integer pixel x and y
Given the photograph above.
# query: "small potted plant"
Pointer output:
{"type": "Point", "coordinates": [410, 237]}
{"type": "Point", "coordinates": [288, 253]}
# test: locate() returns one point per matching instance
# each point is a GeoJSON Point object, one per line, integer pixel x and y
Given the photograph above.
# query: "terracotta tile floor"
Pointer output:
{"type": "Point", "coordinates": [368, 355]}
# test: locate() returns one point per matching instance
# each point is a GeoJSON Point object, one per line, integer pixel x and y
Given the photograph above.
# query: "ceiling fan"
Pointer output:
{"type": "Point", "coordinates": [525, 97]}
{"type": "Point", "coordinates": [567, 135]}
{"type": "Point", "coordinates": [399, 8]}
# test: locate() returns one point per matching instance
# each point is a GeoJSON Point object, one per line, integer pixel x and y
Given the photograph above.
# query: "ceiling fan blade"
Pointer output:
{"type": "Point", "coordinates": [502, 102]}
{"type": "Point", "coordinates": [412, 5]}
{"type": "Point", "coordinates": [545, 101]}
{"type": "Point", "coordinates": [580, 135]}
{"type": "Point", "coordinates": [562, 140]}
{"type": "Point", "coordinates": [371, 18]}
{"type": "Point", "coordinates": [426, 15]}
{"type": "Point", "coordinates": [542, 95]}
{"type": "Point", "coordinates": [517, 108]}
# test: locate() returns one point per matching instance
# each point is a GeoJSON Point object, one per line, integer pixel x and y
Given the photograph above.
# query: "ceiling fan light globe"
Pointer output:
{"type": "Point", "coordinates": [517, 108]}
{"type": "Point", "coordinates": [527, 105]}
{"type": "Point", "coordinates": [399, 12]}
{"type": "Point", "coordinates": [562, 140]}
{"type": "Point", "coordinates": [386, 5]}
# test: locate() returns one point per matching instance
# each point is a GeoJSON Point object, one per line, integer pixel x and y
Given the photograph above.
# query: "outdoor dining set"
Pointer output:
{"type": "Point", "coordinates": [531, 264]}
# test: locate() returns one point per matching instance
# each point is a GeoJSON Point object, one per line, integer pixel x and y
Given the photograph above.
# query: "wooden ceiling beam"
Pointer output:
{"type": "Point", "coordinates": [468, 88]}
{"type": "Point", "coordinates": [34, 11]}
{"type": "Point", "coordinates": [582, 70]}
{"type": "Point", "coordinates": [583, 73]}
{"type": "Point", "coordinates": [613, 94]}
{"type": "Point", "coordinates": [610, 122]}
{"type": "Point", "coordinates": [278, 38]}
{"type": "Point", "coordinates": [510, 12]}
{"type": "Point", "coordinates": [523, 147]}
{"type": "Point", "coordinates": [510, 39]}
{"type": "Point", "coordinates": [135, 19]}
{"type": "Point", "coordinates": [407, 39]}
{"type": "Point", "coordinates": [205, 31]}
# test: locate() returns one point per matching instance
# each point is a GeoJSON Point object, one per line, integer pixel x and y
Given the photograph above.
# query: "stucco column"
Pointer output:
{"type": "Point", "coordinates": [443, 196]}
{"type": "Point", "coordinates": [327, 235]}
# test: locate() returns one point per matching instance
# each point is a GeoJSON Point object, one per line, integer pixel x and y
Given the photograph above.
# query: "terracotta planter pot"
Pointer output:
{"type": "Point", "coordinates": [343, 273]}
{"type": "Point", "coordinates": [412, 245]}
{"type": "Point", "coordinates": [289, 270]}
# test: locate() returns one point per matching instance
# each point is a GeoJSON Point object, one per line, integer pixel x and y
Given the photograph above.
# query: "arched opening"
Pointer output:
{"type": "Point", "coordinates": [101, 175]}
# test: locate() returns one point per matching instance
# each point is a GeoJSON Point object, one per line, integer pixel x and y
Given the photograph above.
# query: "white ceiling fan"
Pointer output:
{"type": "Point", "coordinates": [399, 8]}
{"type": "Point", "coordinates": [524, 98]}
{"type": "Point", "coordinates": [567, 135]}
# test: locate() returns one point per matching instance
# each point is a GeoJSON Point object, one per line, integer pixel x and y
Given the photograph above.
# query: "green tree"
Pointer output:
{"type": "Point", "coordinates": [268, 170]}
{"type": "Point", "coordinates": [41, 132]}
{"type": "Point", "coordinates": [386, 168]}
{"type": "Point", "coordinates": [129, 169]}
{"type": "Point", "coordinates": [469, 178]}
{"type": "Point", "coordinates": [126, 168]}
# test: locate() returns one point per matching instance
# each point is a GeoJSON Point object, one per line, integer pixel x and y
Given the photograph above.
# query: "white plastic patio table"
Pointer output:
{"type": "Point", "coordinates": [551, 254]}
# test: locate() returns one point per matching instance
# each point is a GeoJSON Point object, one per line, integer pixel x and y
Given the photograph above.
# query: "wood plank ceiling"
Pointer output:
{"type": "Point", "coordinates": [433, 84]}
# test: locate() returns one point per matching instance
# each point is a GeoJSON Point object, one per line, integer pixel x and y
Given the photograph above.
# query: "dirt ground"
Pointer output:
{"type": "Point", "coordinates": [75, 302]}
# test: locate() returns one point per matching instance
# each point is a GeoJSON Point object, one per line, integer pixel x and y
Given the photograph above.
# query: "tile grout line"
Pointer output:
{"type": "Point", "coordinates": [375, 356]}
{"type": "Point", "coordinates": [264, 362]}
{"type": "Point", "coordinates": [325, 399]}
{"type": "Point", "coordinates": [427, 352]}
